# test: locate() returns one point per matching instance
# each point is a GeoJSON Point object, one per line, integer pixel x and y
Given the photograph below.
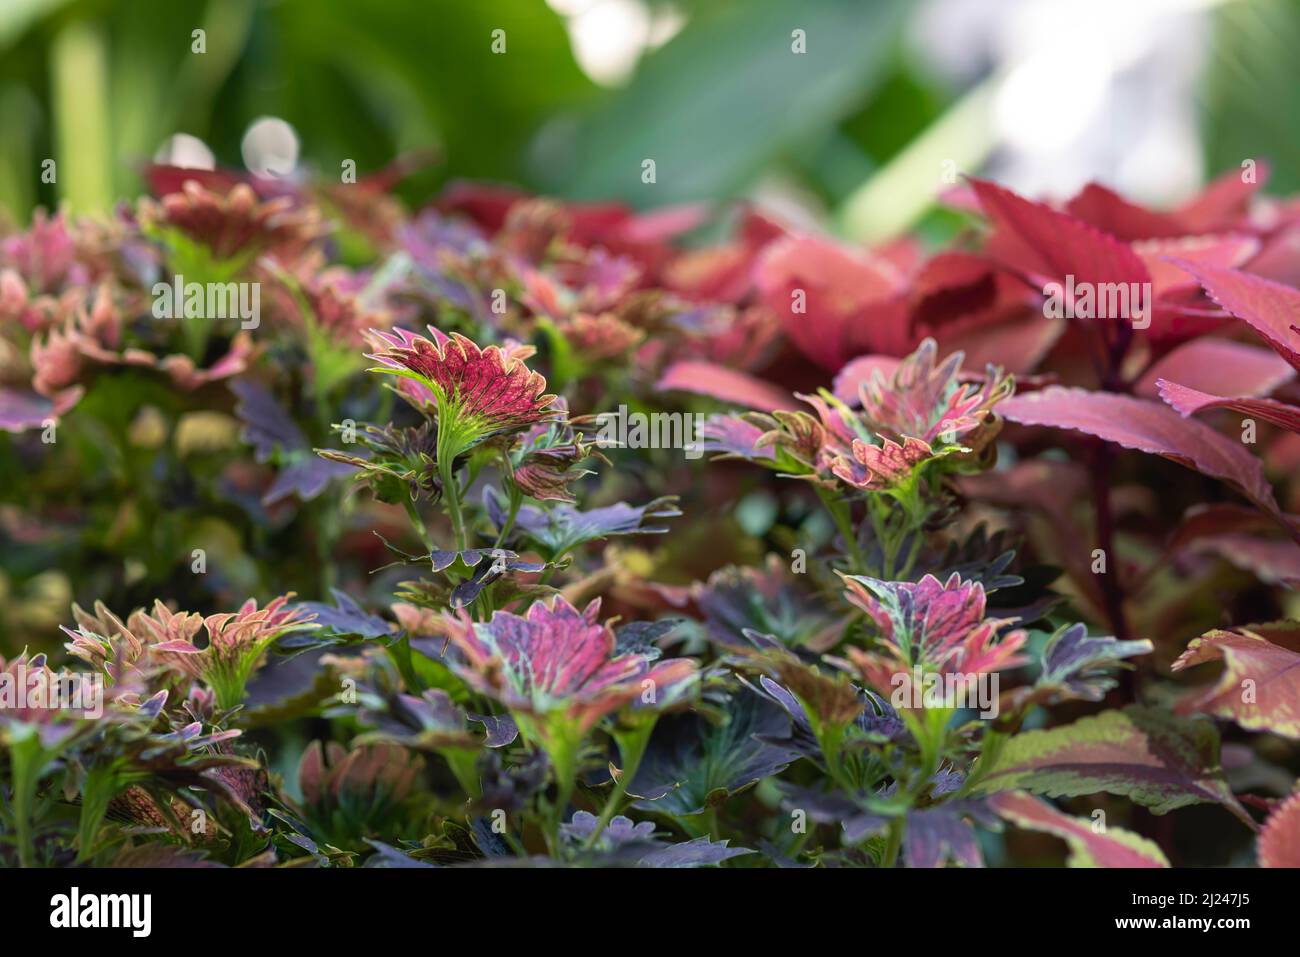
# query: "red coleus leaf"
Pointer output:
{"type": "Point", "coordinates": [1017, 344]}
{"type": "Point", "coordinates": [834, 303]}
{"type": "Point", "coordinates": [1189, 401]}
{"type": "Point", "coordinates": [1275, 561]}
{"type": "Point", "coordinates": [1112, 213]}
{"type": "Point", "coordinates": [1148, 427]}
{"type": "Point", "coordinates": [1279, 841]}
{"type": "Point", "coordinates": [727, 385]}
{"type": "Point", "coordinates": [1218, 365]}
{"type": "Point", "coordinates": [1270, 308]}
{"type": "Point", "coordinates": [480, 392]}
{"type": "Point", "coordinates": [1260, 685]}
{"type": "Point", "coordinates": [1112, 847]}
{"type": "Point", "coordinates": [1047, 245]}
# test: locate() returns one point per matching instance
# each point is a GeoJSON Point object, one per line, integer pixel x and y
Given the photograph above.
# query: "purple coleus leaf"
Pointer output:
{"type": "Point", "coordinates": [558, 660]}
{"type": "Point", "coordinates": [937, 835]}
{"type": "Point", "coordinates": [499, 729]}
{"type": "Point", "coordinates": [877, 721]}
{"type": "Point", "coordinates": [699, 852]}
{"type": "Point", "coordinates": [488, 564]}
{"type": "Point", "coordinates": [306, 479]}
{"type": "Point", "coordinates": [621, 829]}
{"type": "Point", "coordinates": [346, 617]}
{"type": "Point", "coordinates": [22, 410]}
{"type": "Point", "coordinates": [624, 842]}
{"type": "Point", "coordinates": [562, 527]}
{"type": "Point", "coordinates": [693, 764]}
{"type": "Point", "coordinates": [1076, 665]}
{"type": "Point", "coordinates": [431, 722]}
{"type": "Point", "coordinates": [640, 636]}
{"type": "Point", "coordinates": [267, 426]}
{"type": "Point", "coordinates": [932, 837]}
{"type": "Point", "coordinates": [765, 600]}
{"type": "Point", "coordinates": [272, 433]}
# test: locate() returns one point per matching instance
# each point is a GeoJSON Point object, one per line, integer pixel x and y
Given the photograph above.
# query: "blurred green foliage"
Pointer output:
{"type": "Point", "coordinates": [98, 85]}
{"type": "Point", "coordinates": [1253, 72]}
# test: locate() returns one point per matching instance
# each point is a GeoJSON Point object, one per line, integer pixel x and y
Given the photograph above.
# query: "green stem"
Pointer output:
{"type": "Point", "coordinates": [631, 748]}
{"type": "Point", "coordinates": [516, 499]}
{"type": "Point", "coordinates": [566, 773]}
{"type": "Point", "coordinates": [451, 495]}
{"type": "Point", "coordinates": [26, 758]}
{"type": "Point", "coordinates": [417, 523]}
{"type": "Point", "coordinates": [894, 841]}
{"type": "Point", "coordinates": [839, 513]}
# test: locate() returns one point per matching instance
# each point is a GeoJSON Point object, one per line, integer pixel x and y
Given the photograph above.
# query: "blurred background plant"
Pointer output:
{"type": "Point", "coordinates": [1040, 94]}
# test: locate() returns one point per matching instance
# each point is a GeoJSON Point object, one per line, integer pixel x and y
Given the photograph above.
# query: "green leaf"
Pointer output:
{"type": "Point", "coordinates": [724, 98]}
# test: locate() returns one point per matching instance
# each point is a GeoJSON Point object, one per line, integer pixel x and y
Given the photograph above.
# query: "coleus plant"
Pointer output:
{"type": "Point", "coordinates": [846, 669]}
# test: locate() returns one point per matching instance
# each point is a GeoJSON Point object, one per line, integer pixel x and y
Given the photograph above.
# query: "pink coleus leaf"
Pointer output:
{"type": "Point", "coordinates": [1113, 847]}
{"type": "Point", "coordinates": [1189, 401]}
{"type": "Point", "coordinates": [559, 659]}
{"type": "Point", "coordinates": [1164, 258]}
{"type": "Point", "coordinates": [730, 435]}
{"type": "Point", "coordinates": [1279, 841]}
{"type": "Point", "coordinates": [881, 466]}
{"type": "Point", "coordinates": [1148, 427]}
{"type": "Point", "coordinates": [1270, 308]}
{"type": "Point", "coordinates": [939, 626]}
{"type": "Point", "coordinates": [727, 385]}
{"type": "Point", "coordinates": [857, 373]}
{"type": "Point", "coordinates": [1154, 758]}
{"type": "Point", "coordinates": [1223, 203]}
{"type": "Point", "coordinates": [1218, 365]}
{"type": "Point", "coordinates": [1260, 685]}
